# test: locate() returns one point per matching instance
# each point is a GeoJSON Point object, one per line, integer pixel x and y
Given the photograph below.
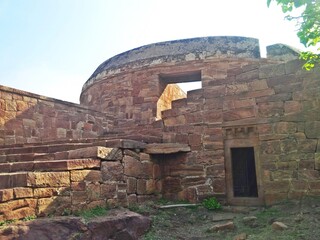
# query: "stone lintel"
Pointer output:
{"type": "Point", "coordinates": [125, 143]}
{"type": "Point", "coordinates": [166, 148]}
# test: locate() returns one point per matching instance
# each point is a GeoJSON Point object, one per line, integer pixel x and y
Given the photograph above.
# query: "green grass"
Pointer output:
{"type": "Point", "coordinates": [92, 213]}
{"type": "Point", "coordinates": [7, 222]}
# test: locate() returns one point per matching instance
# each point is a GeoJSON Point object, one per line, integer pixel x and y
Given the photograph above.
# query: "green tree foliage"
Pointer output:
{"type": "Point", "coordinates": [308, 23]}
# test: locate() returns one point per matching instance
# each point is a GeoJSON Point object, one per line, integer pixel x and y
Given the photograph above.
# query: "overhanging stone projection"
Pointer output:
{"type": "Point", "coordinates": [136, 136]}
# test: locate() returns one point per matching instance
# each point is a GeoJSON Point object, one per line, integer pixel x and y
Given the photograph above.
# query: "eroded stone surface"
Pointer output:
{"type": "Point", "coordinates": [117, 225]}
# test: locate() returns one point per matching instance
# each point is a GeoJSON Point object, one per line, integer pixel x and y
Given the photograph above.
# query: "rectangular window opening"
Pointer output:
{"type": "Point", "coordinates": [174, 86]}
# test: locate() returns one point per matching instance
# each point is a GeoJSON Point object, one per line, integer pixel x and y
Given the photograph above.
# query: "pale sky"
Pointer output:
{"type": "Point", "coordinates": [51, 47]}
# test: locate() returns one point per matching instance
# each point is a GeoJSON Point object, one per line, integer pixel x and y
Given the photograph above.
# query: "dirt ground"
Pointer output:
{"type": "Point", "coordinates": [301, 218]}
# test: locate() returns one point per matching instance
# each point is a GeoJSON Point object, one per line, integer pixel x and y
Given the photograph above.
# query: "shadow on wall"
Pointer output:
{"type": "Point", "coordinates": [30, 118]}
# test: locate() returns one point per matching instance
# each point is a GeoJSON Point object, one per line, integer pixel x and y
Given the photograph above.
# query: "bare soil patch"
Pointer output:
{"type": "Point", "coordinates": [301, 218]}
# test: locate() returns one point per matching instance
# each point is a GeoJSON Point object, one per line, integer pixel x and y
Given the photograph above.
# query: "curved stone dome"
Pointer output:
{"type": "Point", "coordinates": [180, 50]}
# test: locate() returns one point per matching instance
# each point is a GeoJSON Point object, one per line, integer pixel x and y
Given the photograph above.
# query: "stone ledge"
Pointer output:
{"type": "Point", "coordinates": [96, 152]}
{"type": "Point", "coordinates": [166, 148]}
{"type": "Point", "coordinates": [125, 143]}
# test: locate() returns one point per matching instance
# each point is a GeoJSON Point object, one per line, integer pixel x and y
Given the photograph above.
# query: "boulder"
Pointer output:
{"type": "Point", "coordinates": [118, 224]}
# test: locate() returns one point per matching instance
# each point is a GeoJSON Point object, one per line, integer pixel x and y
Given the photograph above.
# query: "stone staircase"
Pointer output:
{"type": "Point", "coordinates": [60, 177]}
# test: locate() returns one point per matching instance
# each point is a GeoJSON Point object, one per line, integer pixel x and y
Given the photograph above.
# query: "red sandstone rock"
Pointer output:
{"type": "Point", "coordinates": [222, 227]}
{"type": "Point", "coordinates": [164, 148]}
{"type": "Point", "coordinates": [279, 226]}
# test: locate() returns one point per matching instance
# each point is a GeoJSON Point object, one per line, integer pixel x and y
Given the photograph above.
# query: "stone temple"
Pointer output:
{"type": "Point", "coordinates": [249, 136]}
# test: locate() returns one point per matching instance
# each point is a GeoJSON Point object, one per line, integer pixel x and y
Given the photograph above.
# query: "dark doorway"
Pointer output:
{"type": "Point", "coordinates": [244, 172]}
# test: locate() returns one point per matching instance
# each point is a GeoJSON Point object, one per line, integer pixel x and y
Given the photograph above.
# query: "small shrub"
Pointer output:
{"type": "Point", "coordinates": [6, 222]}
{"type": "Point", "coordinates": [29, 218]}
{"type": "Point", "coordinates": [211, 203]}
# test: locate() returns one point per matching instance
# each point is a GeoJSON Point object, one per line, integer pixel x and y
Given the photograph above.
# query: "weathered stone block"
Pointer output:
{"type": "Point", "coordinates": [166, 148]}
{"type": "Point", "coordinates": [217, 171]}
{"type": "Point", "coordinates": [131, 185]}
{"type": "Point", "coordinates": [238, 114]}
{"type": "Point", "coordinates": [5, 181]}
{"type": "Point", "coordinates": [20, 213]}
{"type": "Point", "coordinates": [79, 198]}
{"type": "Point", "coordinates": [219, 185]}
{"type": "Point", "coordinates": [174, 121]}
{"type": "Point", "coordinates": [317, 160]}
{"type": "Point", "coordinates": [204, 191]}
{"type": "Point", "coordinates": [285, 127]}
{"type": "Point", "coordinates": [108, 190]}
{"type": "Point", "coordinates": [312, 129]}
{"type": "Point", "coordinates": [112, 171]}
{"type": "Point", "coordinates": [156, 171]}
{"type": "Point", "coordinates": [299, 185]}
{"type": "Point", "coordinates": [132, 153]}
{"type": "Point", "coordinates": [22, 192]}
{"type": "Point", "coordinates": [6, 195]}
{"type": "Point", "coordinates": [288, 145]}
{"type": "Point", "coordinates": [96, 152]}
{"type": "Point", "coordinates": [125, 143]}
{"type": "Point", "coordinates": [144, 157]}
{"type": "Point", "coordinates": [259, 93]}
{"type": "Point", "coordinates": [307, 145]}
{"type": "Point", "coordinates": [45, 192]}
{"type": "Point", "coordinates": [273, 198]}
{"type": "Point", "coordinates": [48, 179]}
{"type": "Point", "coordinates": [184, 170]}
{"type": "Point", "coordinates": [195, 139]}
{"type": "Point", "coordinates": [257, 85]}
{"type": "Point", "coordinates": [172, 185]}
{"type": "Point", "coordinates": [222, 227]}
{"type": "Point", "coordinates": [277, 186]}
{"type": "Point", "coordinates": [54, 205]}
{"type": "Point", "coordinates": [134, 168]}
{"type": "Point", "coordinates": [86, 175]}
{"type": "Point", "coordinates": [271, 109]}
{"type": "Point", "coordinates": [292, 107]}
{"type": "Point", "coordinates": [146, 186]}
{"type": "Point", "coordinates": [270, 147]}
{"type": "Point", "coordinates": [308, 174]}
{"type": "Point", "coordinates": [192, 181]}
{"type": "Point", "coordinates": [132, 199]}
{"type": "Point", "coordinates": [93, 192]}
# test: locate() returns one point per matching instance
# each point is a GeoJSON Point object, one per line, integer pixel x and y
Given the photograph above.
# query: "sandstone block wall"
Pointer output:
{"type": "Point", "coordinates": [276, 106]}
{"type": "Point", "coordinates": [267, 104]}
{"type": "Point", "coordinates": [115, 177]}
{"type": "Point", "coordinates": [30, 118]}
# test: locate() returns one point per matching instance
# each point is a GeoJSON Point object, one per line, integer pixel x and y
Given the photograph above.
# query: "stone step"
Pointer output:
{"type": "Point", "coordinates": [83, 152]}
{"type": "Point", "coordinates": [43, 148]}
{"type": "Point", "coordinates": [50, 165]}
{"type": "Point", "coordinates": [25, 157]}
{"type": "Point", "coordinates": [53, 148]}
{"type": "Point", "coordinates": [55, 142]}
{"type": "Point", "coordinates": [179, 103]}
{"type": "Point", "coordinates": [11, 180]}
{"type": "Point", "coordinates": [194, 94]}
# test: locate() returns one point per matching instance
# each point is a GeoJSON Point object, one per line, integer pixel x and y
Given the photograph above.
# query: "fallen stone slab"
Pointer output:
{"type": "Point", "coordinates": [166, 148]}
{"type": "Point", "coordinates": [118, 224]}
{"type": "Point", "coordinates": [279, 226]}
{"type": "Point", "coordinates": [222, 227]}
